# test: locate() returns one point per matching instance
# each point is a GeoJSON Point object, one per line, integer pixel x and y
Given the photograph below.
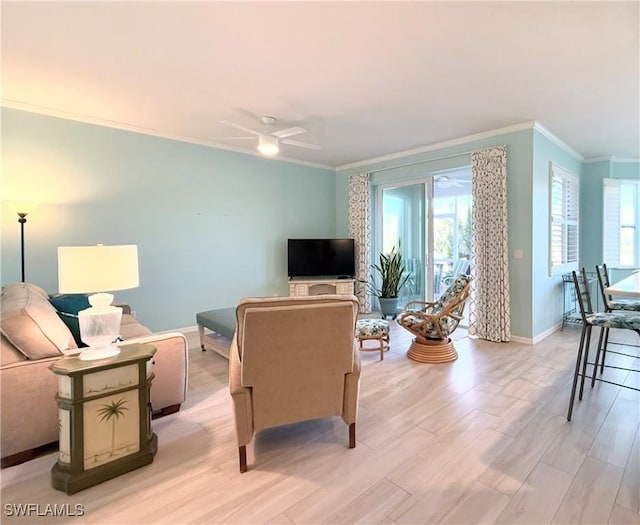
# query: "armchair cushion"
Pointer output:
{"type": "Point", "coordinates": [428, 329]}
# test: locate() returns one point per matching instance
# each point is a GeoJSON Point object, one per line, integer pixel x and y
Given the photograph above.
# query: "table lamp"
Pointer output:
{"type": "Point", "coordinates": [98, 269]}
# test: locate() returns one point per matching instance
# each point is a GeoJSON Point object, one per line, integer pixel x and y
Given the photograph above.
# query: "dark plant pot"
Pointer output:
{"type": "Point", "coordinates": [388, 306]}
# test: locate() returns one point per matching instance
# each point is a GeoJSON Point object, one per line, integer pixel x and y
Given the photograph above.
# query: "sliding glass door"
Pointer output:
{"type": "Point", "coordinates": [430, 221]}
{"type": "Point", "coordinates": [403, 226]}
{"type": "Point", "coordinates": [451, 225]}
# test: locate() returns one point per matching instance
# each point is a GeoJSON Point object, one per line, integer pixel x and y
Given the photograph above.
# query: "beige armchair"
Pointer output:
{"type": "Point", "coordinates": [293, 359]}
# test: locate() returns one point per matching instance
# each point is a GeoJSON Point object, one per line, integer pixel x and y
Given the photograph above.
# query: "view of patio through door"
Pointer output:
{"type": "Point", "coordinates": [430, 220]}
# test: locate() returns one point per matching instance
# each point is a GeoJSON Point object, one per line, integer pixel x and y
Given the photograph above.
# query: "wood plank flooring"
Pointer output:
{"type": "Point", "coordinates": [481, 440]}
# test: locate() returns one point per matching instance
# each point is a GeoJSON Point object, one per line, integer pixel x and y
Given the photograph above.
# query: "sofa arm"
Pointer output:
{"type": "Point", "coordinates": [171, 368]}
{"type": "Point", "coordinates": [28, 411]}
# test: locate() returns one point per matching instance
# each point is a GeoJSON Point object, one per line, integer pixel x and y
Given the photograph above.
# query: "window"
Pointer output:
{"type": "Point", "coordinates": [621, 228]}
{"type": "Point", "coordinates": [564, 203]}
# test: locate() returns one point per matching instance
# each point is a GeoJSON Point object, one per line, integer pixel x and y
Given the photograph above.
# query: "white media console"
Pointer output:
{"type": "Point", "coordinates": [303, 287]}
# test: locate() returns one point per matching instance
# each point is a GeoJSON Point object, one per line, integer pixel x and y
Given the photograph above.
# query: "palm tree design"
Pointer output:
{"type": "Point", "coordinates": [112, 412]}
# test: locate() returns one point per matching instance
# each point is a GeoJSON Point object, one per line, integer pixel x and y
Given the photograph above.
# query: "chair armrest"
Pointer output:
{"type": "Point", "coordinates": [351, 390]}
{"type": "Point", "coordinates": [235, 368]}
{"type": "Point", "coordinates": [241, 397]}
{"type": "Point", "coordinates": [432, 318]}
{"type": "Point", "coordinates": [425, 305]}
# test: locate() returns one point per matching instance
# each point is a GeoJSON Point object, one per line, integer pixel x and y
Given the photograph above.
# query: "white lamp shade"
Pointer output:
{"type": "Point", "coordinates": [88, 269]}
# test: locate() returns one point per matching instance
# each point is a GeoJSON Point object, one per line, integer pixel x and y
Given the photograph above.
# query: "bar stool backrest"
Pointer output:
{"type": "Point", "coordinates": [603, 283]}
{"type": "Point", "coordinates": [583, 294]}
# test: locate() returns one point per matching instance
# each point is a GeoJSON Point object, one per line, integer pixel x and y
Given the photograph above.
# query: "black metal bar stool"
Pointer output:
{"type": "Point", "coordinates": [611, 305]}
{"type": "Point", "coordinates": [604, 320]}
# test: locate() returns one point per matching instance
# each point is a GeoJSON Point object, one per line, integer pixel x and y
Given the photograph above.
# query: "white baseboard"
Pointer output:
{"type": "Point", "coordinates": [186, 329]}
{"type": "Point", "coordinates": [535, 340]}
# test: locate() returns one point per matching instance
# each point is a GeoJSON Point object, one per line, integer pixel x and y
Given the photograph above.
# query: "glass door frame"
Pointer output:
{"type": "Point", "coordinates": [428, 232]}
{"type": "Point", "coordinates": [427, 181]}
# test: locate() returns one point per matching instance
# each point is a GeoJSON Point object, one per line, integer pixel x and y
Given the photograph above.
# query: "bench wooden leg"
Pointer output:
{"type": "Point", "coordinates": [352, 435]}
{"type": "Point", "coordinates": [201, 335]}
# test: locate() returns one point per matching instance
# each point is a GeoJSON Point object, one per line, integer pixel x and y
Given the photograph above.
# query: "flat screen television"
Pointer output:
{"type": "Point", "coordinates": [321, 258]}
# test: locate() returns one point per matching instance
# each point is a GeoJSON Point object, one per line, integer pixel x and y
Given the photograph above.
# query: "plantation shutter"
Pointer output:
{"type": "Point", "coordinates": [564, 209]}
{"type": "Point", "coordinates": [611, 222]}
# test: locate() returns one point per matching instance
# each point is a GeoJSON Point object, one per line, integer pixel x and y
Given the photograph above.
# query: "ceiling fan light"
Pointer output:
{"type": "Point", "coordinates": [268, 145]}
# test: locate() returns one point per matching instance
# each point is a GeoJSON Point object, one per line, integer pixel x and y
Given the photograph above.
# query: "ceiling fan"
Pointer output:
{"type": "Point", "coordinates": [270, 138]}
{"type": "Point", "coordinates": [444, 181]}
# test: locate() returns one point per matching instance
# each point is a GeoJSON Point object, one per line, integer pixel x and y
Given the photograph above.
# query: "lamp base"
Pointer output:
{"type": "Point", "coordinates": [99, 328]}
{"type": "Point", "coordinates": [98, 353]}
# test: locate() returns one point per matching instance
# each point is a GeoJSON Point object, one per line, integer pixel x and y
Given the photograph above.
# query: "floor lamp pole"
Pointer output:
{"type": "Point", "coordinates": [22, 218]}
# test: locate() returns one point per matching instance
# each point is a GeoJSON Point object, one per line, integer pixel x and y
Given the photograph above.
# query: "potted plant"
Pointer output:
{"type": "Point", "coordinates": [392, 276]}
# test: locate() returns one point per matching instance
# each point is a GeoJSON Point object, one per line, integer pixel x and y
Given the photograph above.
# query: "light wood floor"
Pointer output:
{"type": "Point", "coordinates": [481, 440]}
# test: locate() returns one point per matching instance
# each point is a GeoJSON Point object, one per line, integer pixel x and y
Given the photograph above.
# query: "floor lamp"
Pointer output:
{"type": "Point", "coordinates": [22, 209]}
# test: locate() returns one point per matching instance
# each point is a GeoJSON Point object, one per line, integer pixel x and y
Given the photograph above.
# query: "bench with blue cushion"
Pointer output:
{"type": "Point", "coordinates": [221, 321]}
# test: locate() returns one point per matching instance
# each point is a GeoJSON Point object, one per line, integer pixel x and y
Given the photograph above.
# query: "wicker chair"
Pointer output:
{"type": "Point", "coordinates": [433, 322]}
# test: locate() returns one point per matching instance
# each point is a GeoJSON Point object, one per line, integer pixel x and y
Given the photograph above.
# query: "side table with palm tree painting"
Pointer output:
{"type": "Point", "coordinates": [104, 417]}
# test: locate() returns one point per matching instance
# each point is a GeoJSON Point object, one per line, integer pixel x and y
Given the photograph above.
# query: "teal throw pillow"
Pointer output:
{"type": "Point", "coordinates": [70, 303]}
{"type": "Point", "coordinates": [68, 306]}
{"type": "Point", "coordinates": [71, 320]}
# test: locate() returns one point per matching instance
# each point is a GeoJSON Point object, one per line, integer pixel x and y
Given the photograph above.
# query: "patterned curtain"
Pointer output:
{"type": "Point", "coordinates": [489, 316]}
{"type": "Point", "coordinates": [360, 231]}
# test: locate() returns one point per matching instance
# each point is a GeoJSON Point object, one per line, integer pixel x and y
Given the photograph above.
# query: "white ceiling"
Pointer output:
{"type": "Point", "coordinates": [367, 79]}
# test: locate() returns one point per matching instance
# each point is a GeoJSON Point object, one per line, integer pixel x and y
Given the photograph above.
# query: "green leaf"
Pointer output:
{"type": "Point", "coordinates": [392, 275]}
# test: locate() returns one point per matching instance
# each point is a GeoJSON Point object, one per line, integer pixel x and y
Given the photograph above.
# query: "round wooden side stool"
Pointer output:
{"type": "Point", "coordinates": [373, 330]}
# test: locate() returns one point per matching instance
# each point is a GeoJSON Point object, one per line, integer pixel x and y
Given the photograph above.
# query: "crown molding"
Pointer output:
{"type": "Point", "coordinates": [629, 160]}
{"type": "Point", "coordinates": [611, 158]}
{"type": "Point", "coordinates": [558, 142]}
{"type": "Point", "coordinates": [591, 160]}
{"type": "Point", "coordinates": [440, 145]}
{"type": "Point", "coordinates": [85, 119]}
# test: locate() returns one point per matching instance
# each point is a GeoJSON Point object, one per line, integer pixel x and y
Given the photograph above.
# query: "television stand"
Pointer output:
{"type": "Point", "coordinates": [300, 287]}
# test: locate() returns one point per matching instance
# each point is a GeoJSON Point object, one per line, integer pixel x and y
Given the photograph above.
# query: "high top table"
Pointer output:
{"type": "Point", "coordinates": [627, 287]}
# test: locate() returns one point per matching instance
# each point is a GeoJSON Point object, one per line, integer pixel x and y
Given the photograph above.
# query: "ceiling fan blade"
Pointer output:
{"type": "Point", "coordinates": [300, 144]}
{"type": "Point", "coordinates": [238, 126]}
{"type": "Point", "coordinates": [288, 132]}
{"type": "Point", "coordinates": [233, 138]}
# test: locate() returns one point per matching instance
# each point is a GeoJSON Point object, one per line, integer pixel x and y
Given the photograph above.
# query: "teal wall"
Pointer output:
{"type": "Point", "coordinates": [210, 225]}
{"type": "Point", "coordinates": [519, 202]}
{"type": "Point", "coordinates": [625, 170]}
{"type": "Point", "coordinates": [536, 297]}
{"type": "Point", "coordinates": [591, 212]}
{"type": "Point", "coordinates": [547, 290]}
